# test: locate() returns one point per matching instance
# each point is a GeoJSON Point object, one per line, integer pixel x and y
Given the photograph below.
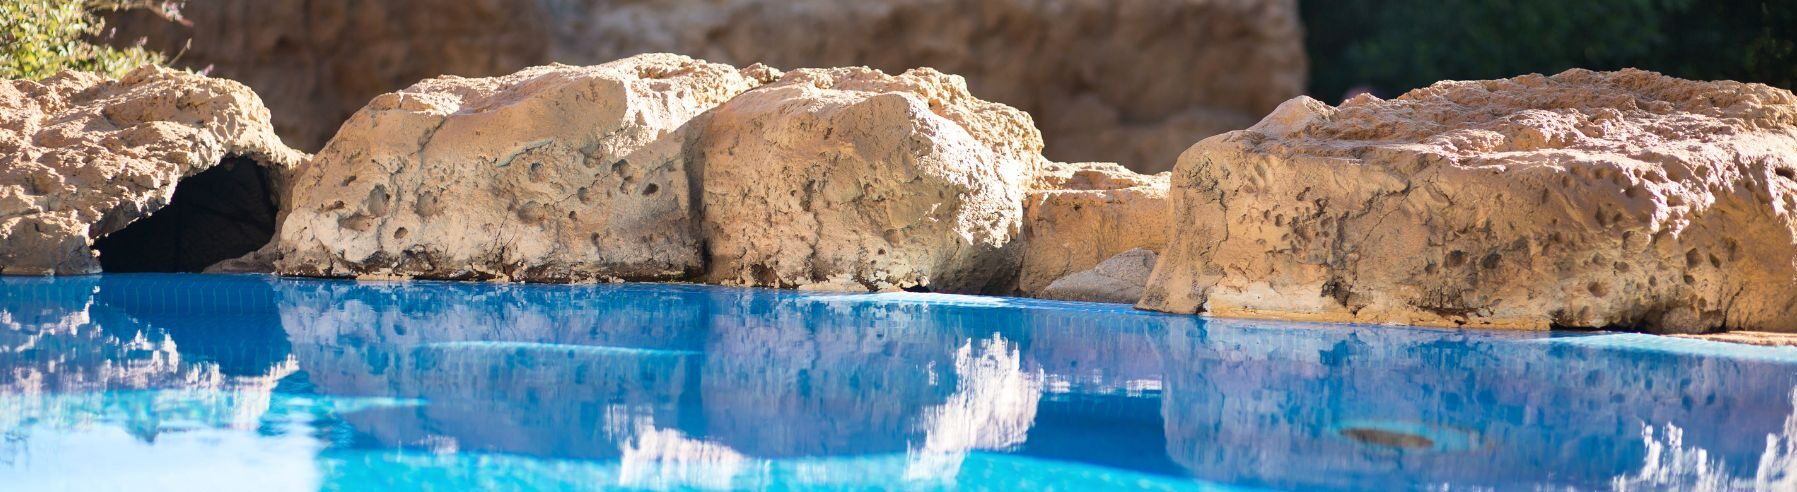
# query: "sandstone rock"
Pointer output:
{"type": "Point", "coordinates": [852, 179]}
{"type": "Point", "coordinates": [1081, 214]}
{"type": "Point", "coordinates": [555, 173]}
{"type": "Point", "coordinates": [1586, 199]}
{"type": "Point", "coordinates": [1134, 82]}
{"type": "Point", "coordinates": [81, 157]}
{"type": "Point", "coordinates": [1119, 279]}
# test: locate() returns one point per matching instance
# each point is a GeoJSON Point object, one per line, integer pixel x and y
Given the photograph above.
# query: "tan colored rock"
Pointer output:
{"type": "Point", "coordinates": [555, 173]}
{"type": "Point", "coordinates": [852, 179]}
{"type": "Point", "coordinates": [82, 156]}
{"type": "Point", "coordinates": [1128, 81]}
{"type": "Point", "coordinates": [1586, 199]}
{"type": "Point", "coordinates": [1082, 214]}
{"type": "Point", "coordinates": [1119, 279]}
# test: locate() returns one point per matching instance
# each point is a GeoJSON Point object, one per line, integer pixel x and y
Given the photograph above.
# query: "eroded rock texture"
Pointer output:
{"type": "Point", "coordinates": [1084, 213]}
{"type": "Point", "coordinates": [1127, 81]}
{"type": "Point", "coordinates": [82, 157]}
{"type": "Point", "coordinates": [852, 179]}
{"type": "Point", "coordinates": [555, 173]}
{"type": "Point", "coordinates": [1586, 199]}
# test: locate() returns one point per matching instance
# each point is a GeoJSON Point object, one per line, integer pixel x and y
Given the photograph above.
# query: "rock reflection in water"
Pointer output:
{"type": "Point", "coordinates": [695, 387]}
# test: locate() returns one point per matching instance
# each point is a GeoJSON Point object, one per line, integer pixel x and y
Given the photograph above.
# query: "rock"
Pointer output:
{"type": "Point", "coordinates": [1587, 199]}
{"type": "Point", "coordinates": [1081, 214]}
{"type": "Point", "coordinates": [555, 173]}
{"type": "Point", "coordinates": [81, 156]}
{"type": "Point", "coordinates": [1119, 279]}
{"type": "Point", "coordinates": [319, 61]}
{"type": "Point", "coordinates": [852, 179]}
{"type": "Point", "coordinates": [1133, 82]}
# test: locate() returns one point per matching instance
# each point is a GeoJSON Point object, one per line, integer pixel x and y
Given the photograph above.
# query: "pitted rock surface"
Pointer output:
{"type": "Point", "coordinates": [555, 173]}
{"type": "Point", "coordinates": [82, 156]}
{"type": "Point", "coordinates": [1585, 199]}
{"type": "Point", "coordinates": [853, 179]}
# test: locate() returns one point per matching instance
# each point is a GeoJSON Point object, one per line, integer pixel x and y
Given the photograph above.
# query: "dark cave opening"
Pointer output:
{"type": "Point", "coordinates": [221, 213]}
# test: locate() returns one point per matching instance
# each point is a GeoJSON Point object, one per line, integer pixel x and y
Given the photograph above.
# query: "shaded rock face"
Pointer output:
{"type": "Point", "coordinates": [1586, 199]}
{"type": "Point", "coordinates": [1081, 214]}
{"type": "Point", "coordinates": [554, 173]}
{"type": "Point", "coordinates": [1130, 81]}
{"type": "Point", "coordinates": [1117, 280]}
{"type": "Point", "coordinates": [851, 179]}
{"type": "Point", "coordinates": [82, 157]}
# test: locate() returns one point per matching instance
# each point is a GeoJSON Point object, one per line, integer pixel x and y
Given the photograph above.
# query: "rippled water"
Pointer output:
{"type": "Point", "coordinates": [165, 382]}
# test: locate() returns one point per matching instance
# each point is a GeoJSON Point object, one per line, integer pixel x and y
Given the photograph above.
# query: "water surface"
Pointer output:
{"type": "Point", "coordinates": [189, 382]}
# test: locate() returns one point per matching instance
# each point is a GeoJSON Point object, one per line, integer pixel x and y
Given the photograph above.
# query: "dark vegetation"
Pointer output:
{"type": "Point", "coordinates": [1392, 46]}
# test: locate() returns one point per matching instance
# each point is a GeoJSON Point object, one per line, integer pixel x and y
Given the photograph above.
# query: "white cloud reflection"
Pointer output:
{"type": "Point", "coordinates": [1672, 465]}
{"type": "Point", "coordinates": [993, 407]}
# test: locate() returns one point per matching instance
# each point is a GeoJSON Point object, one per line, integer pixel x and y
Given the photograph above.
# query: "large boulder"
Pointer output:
{"type": "Point", "coordinates": [1127, 81]}
{"type": "Point", "coordinates": [852, 179]}
{"type": "Point", "coordinates": [1078, 215]}
{"type": "Point", "coordinates": [1587, 199]}
{"type": "Point", "coordinates": [555, 173]}
{"type": "Point", "coordinates": [82, 156]}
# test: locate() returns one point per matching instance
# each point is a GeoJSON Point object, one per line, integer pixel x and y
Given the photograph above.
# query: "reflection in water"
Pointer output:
{"type": "Point", "coordinates": [1670, 464]}
{"type": "Point", "coordinates": [667, 458]}
{"type": "Point", "coordinates": [992, 409]}
{"type": "Point", "coordinates": [374, 386]}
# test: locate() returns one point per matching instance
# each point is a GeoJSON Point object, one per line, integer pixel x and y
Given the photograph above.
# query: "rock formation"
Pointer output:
{"type": "Point", "coordinates": [1119, 279]}
{"type": "Point", "coordinates": [81, 157]}
{"type": "Point", "coordinates": [852, 179]}
{"type": "Point", "coordinates": [1583, 200]}
{"type": "Point", "coordinates": [1081, 214]}
{"type": "Point", "coordinates": [554, 173]}
{"type": "Point", "coordinates": [1132, 82]}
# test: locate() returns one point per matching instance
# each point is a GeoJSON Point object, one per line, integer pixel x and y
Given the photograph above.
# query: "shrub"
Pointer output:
{"type": "Point", "coordinates": [41, 37]}
{"type": "Point", "coordinates": [1397, 45]}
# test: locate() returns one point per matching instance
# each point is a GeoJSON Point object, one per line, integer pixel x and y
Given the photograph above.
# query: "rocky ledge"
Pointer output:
{"type": "Point", "coordinates": [1581, 200]}
{"type": "Point", "coordinates": [81, 157]}
{"type": "Point", "coordinates": [1587, 199]}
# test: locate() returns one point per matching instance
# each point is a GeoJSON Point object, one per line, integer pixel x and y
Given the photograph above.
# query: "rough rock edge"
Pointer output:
{"type": "Point", "coordinates": [177, 123]}
{"type": "Point", "coordinates": [1461, 127]}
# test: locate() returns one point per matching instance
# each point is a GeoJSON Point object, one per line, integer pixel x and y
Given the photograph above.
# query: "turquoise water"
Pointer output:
{"type": "Point", "coordinates": [187, 382]}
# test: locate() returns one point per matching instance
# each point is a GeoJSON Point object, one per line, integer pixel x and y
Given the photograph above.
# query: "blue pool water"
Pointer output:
{"type": "Point", "coordinates": [184, 382]}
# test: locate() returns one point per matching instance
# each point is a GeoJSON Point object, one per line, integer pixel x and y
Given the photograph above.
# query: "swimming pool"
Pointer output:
{"type": "Point", "coordinates": [191, 382]}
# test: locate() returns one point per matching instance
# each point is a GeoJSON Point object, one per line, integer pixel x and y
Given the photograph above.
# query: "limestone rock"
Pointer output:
{"type": "Point", "coordinates": [1119, 279]}
{"type": "Point", "coordinates": [1081, 214]}
{"type": "Point", "coordinates": [852, 179]}
{"type": "Point", "coordinates": [1134, 82]}
{"type": "Point", "coordinates": [82, 156]}
{"type": "Point", "coordinates": [1586, 199]}
{"type": "Point", "coordinates": [555, 173]}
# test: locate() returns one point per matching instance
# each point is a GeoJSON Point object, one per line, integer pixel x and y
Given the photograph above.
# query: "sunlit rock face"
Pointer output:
{"type": "Point", "coordinates": [1586, 199]}
{"type": "Point", "coordinates": [82, 156]}
{"type": "Point", "coordinates": [853, 179]}
{"type": "Point", "coordinates": [555, 173]}
{"type": "Point", "coordinates": [1262, 401]}
{"type": "Point", "coordinates": [1081, 214]}
{"type": "Point", "coordinates": [1133, 82]}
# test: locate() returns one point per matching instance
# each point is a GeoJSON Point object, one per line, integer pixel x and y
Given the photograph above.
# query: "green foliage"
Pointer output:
{"type": "Point", "coordinates": [1397, 45]}
{"type": "Point", "coordinates": [41, 37]}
